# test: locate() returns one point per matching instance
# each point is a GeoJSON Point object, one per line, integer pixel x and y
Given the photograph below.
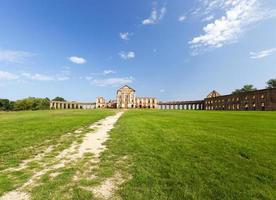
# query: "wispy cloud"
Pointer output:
{"type": "Point", "coordinates": [77, 60]}
{"type": "Point", "coordinates": [63, 75]}
{"type": "Point", "coordinates": [156, 15]}
{"type": "Point", "coordinates": [127, 55]}
{"type": "Point", "coordinates": [238, 15]}
{"type": "Point", "coordinates": [38, 77]}
{"type": "Point", "coordinates": [113, 82]}
{"type": "Point", "coordinates": [125, 35]}
{"type": "Point", "coordinates": [8, 76]}
{"type": "Point", "coordinates": [12, 56]}
{"type": "Point", "coordinates": [108, 71]}
{"type": "Point", "coordinates": [182, 18]}
{"type": "Point", "coordinates": [262, 54]}
{"type": "Point", "coordinates": [208, 18]}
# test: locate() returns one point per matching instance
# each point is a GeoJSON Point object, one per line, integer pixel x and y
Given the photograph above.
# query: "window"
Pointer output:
{"type": "Point", "coordinates": [254, 97]}
{"type": "Point", "coordinates": [262, 96]}
{"type": "Point", "coordinates": [238, 98]}
{"type": "Point", "coordinates": [246, 98]}
{"type": "Point", "coordinates": [238, 106]}
{"type": "Point", "coordinates": [263, 106]}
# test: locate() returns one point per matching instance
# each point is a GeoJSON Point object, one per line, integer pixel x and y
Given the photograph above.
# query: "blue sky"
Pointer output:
{"type": "Point", "coordinates": [172, 50]}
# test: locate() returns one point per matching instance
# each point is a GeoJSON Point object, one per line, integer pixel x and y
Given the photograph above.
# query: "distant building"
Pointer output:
{"type": "Point", "coordinates": [254, 100]}
{"type": "Point", "coordinates": [100, 102]}
{"type": "Point", "coordinates": [126, 99]}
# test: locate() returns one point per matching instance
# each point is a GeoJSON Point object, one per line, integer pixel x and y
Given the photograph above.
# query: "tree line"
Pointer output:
{"type": "Point", "coordinates": [30, 103]}
{"type": "Point", "coordinates": [247, 88]}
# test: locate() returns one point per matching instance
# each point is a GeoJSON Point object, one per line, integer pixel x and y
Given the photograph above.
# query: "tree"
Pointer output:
{"type": "Point", "coordinates": [246, 88]}
{"type": "Point", "coordinates": [32, 103]}
{"type": "Point", "coordinates": [59, 99]}
{"type": "Point", "coordinates": [5, 104]}
{"type": "Point", "coordinates": [271, 83]}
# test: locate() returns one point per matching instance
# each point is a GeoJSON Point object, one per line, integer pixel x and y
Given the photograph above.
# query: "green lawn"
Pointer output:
{"type": "Point", "coordinates": [195, 154]}
{"type": "Point", "coordinates": [166, 154]}
{"type": "Point", "coordinates": [21, 130]}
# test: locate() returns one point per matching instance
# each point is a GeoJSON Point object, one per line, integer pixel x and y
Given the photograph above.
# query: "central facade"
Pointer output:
{"type": "Point", "coordinates": [126, 99]}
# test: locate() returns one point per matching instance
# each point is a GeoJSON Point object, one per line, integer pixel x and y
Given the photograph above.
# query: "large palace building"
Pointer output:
{"type": "Point", "coordinates": [262, 100]}
{"type": "Point", "coordinates": [126, 99]}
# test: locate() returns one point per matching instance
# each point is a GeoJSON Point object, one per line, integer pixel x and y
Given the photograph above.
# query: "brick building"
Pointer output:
{"type": "Point", "coordinates": [255, 100]}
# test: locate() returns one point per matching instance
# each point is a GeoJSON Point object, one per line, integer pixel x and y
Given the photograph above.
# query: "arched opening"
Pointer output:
{"type": "Point", "coordinates": [140, 106]}
{"type": "Point", "coordinates": [263, 107]}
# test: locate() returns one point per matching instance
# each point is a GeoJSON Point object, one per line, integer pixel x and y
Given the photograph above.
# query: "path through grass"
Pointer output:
{"type": "Point", "coordinates": [25, 135]}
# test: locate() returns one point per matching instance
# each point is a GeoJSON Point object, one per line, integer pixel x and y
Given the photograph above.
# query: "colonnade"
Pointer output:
{"type": "Point", "coordinates": [181, 106]}
{"type": "Point", "coordinates": [71, 105]}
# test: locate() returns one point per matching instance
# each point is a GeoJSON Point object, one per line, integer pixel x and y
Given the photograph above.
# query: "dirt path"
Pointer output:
{"type": "Point", "coordinates": [93, 143]}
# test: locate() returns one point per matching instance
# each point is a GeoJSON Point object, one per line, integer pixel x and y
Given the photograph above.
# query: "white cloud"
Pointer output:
{"type": "Point", "coordinates": [38, 77]}
{"type": "Point", "coordinates": [208, 18]}
{"type": "Point", "coordinates": [125, 35]}
{"type": "Point", "coordinates": [155, 16]}
{"type": "Point", "coordinates": [162, 91]}
{"type": "Point", "coordinates": [127, 55]}
{"type": "Point", "coordinates": [238, 15]}
{"type": "Point", "coordinates": [62, 76]}
{"type": "Point", "coordinates": [8, 76]}
{"type": "Point", "coordinates": [114, 82]}
{"type": "Point", "coordinates": [77, 60]}
{"type": "Point", "coordinates": [182, 18]}
{"type": "Point", "coordinates": [106, 72]}
{"type": "Point", "coordinates": [262, 54]}
{"type": "Point", "coordinates": [14, 56]}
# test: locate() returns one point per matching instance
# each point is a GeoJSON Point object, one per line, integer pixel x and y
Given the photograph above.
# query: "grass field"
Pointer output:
{"type": "Point", "coordinates": [25, 134]}
{"type": "Point", "coordinates": [196, 154]}
{"type": "Point", "coordinates": [167, 154]}
{"type": "Point", "coordinates": [19, 130]}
